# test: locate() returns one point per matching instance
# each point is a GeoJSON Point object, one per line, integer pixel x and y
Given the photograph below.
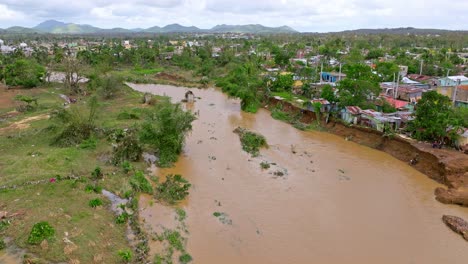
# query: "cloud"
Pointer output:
{"type": "Point", "coordinates": [304, 15]}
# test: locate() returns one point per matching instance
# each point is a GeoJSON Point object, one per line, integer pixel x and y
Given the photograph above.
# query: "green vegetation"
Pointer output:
{"type": "Point", "coordinates": [264, 165]}
{"type": "Point", "coordinates": [95, 202]}
{"type": "Point", "coordinates": [125, 254]}
{"type": "Point", "coordinates": [127, 148]}
{"type": "Point", "coordinates": [22, 72]}
{"type": "Point", "coordinates": [173, 189]}
{"type": "Point", "coordinates": [41, 231]}
{"type": "Point", "coordinates": [76, 124]}
{"type": "Point", "coordinates": [216, 214]}
{"type": "Point", "coordinates": [434, 115]}
{"type": "Point", "coordinates": [164, 130]}
{"type": "Point", "coordinates": [140, 184]}
{"type": "Point", "coordinates": [251, 142]}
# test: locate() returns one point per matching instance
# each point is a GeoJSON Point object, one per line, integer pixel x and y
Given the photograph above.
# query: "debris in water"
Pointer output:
{"type": "Point", "coordinates": [457, 224]}
{"type": "Point", "coordinates": [223, 218]}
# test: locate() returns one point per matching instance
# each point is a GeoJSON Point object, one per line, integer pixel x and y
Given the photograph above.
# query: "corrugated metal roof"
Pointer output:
{"type": "Point", "coordinates": [355, 110]}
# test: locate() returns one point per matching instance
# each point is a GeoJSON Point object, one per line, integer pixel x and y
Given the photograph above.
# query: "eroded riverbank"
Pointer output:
{"type": "Point", "coordinates": [339, 202]}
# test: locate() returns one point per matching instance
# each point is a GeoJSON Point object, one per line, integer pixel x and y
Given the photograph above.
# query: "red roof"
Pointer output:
{"type": "Point", "coordinates": [396, 103]}
{"type": "Point", "coordinates": [353, 109]}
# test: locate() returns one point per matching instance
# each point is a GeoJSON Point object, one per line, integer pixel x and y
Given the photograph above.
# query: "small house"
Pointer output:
{"type": "Point", "coordinates": [332, 77]}
{"type": "Point", "coordinates": [325, 105]}
{"type": "Point", "coordinates": [351, 114]}
{"type": "Point", "coordinates": [453, 80]}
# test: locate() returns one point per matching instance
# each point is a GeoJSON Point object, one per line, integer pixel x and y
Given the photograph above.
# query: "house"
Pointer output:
{"type": "Point", "coordinates": [325, 105]}
{"type": "Point", "coordinates": [409, 93]}
{"type": "Point", "coordinates": [351, 114]}
{"type": "Point", "coordinates": [395, 103]}
{"type": "Point", "coordinates": [453, 80]}
{"type": "Point", "coordinates": [332, 77]}
{"type": "Point", "coordinates": [461, 98]}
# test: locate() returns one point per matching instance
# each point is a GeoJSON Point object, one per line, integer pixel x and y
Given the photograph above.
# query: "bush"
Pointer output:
{"type": "Point", "coordinates": [185, 258]}
{"type": "Point", "coordinates": [2, 243]}
{"type": "Point", "coordinates": [109, 86]}
{"type": "Point", "coordinates": [122, 218]}
{"type": "Point", "coordinates": [127, 167]}
{"type": "Point", "coordinates": [140, 184]}
{"type": "Point", "coordinates": [165, 130]}
{"type": "Point", "coordinates": [93, 188]}
{"type": "Point", "coordinates": [40, 231]}
{"type": "Point", "coordinates": [95, 202]}
{"type": "Point", "coordinates": [27, 73]}
{"type": "Point", "coordinates": [90, 143]}
{"type": "Point", "coordinates": [127, 115]}
{"type": "Point", "coordinates": [174, 189]}
{"type": "Point", "coordinates": [125, 255]}
{"type": "Point", "coordinates": [97, 173]}
{"type": "Point", "coordinates": [251, 142]}
{"type": "Point", "coordinates": [78, 125]}
{"type": "Point", "coordinates": [264, 165]}
{"type": "Point", "coordinates": [128, 147]}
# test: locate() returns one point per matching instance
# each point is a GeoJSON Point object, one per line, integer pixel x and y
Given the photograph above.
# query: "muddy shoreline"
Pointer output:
{"type": "Point", "coordinates": [446, 166]}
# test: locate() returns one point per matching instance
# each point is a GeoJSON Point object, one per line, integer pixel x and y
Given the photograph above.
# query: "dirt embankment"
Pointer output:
{"type": "Point", "coordinates": [446, 166]}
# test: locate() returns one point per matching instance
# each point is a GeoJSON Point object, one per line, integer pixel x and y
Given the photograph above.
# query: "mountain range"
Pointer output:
{"type": "Point", "coordinates": [57, 27]}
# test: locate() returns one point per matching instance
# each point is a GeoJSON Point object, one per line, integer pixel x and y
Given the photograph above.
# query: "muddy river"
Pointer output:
{"type": "Point", "coordinates": [337, 202]}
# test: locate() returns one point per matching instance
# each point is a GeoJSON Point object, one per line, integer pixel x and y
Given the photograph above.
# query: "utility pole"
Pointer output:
{"type": "Point", "coordinates": [321, 72]}
{"type": "Point", "coordinates": [397, 83]}
{"type": "Point", "coordinates": [339, 76]}
{"type": "Point", "coordinates": [420, 68]}
{"type": "Point", "coordinates": [455, 91]}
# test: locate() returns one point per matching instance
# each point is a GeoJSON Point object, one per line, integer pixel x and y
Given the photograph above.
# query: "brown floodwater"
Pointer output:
{"type": "Point", "coordinates": [338, 202]}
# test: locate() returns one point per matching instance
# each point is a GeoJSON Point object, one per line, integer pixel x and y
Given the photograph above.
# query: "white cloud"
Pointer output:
{"type": "Point", "coordinates": [304, 15]}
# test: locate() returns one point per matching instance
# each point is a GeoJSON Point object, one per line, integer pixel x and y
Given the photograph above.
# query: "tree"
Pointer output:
{"type": "Point", "coordinates": [73, 68]}
{"type": "Point", "coordinates": [283, 82]}
{"type": "Point", "coordinates": [434, 116]}
{"type": "Point", "coordinates": [387, 70]}
{"type": "Point", "coordinates": [328, 93]}
{"type": "Point", "coordinates": [165, 130]}
{"type": "Point", "coordinates": [25, 73]}
{"type": "Point", "coordinates": [356, 92]}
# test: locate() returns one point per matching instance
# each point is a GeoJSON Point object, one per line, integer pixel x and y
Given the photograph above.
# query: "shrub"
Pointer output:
{"type": "Point", "coordinates": [40, 231]}
{"type": "Point", "coordinates": [126, 115]}
{"type": "Point", "coordinates": [251, 142]}
{"type": "Point", "coordinates": [185, 258]}
{"type": "Point", "coordinates": [90, 143]}
{"type": "Point", "coordinates": [2, 243]}
{"type": "Point", "coordinates": [77, 124]}
{"type": "Point", "coordinates": [127, 166]}
{"type": "Point", "coordinates": [181, 214]}
{"type": "Point", "coordinates": [216, 214]}
{"type": "Point", "coordinates": [93, 188]}
{"type": "Point", "coordinates": [128, 147]}
{"type": "Point", "coordinates": [109, 86]}
{"type": "Point", "coordinates": [125, 255]}
{"type": "Point", "coordinates": [97, 173]}
{"type": "Point", "coordinates": [264, 165]}
{"type": "Point", "coordinates": [174, 189]}
{"type": "Point", "coordinates": [140, 184]}
{"type": "Point", "coordinates": [175, 239]}
{"type": "Point", "coordinates": [95, 202]}
{"type": "Point", "coordinates": [165, 130]}
{"type": "Point", "coordinates": [22, 72]}
{"type": "Point", "coordinates": [122, 218]}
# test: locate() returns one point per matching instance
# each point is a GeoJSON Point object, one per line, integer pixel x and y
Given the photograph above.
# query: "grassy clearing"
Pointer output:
{"type": "Point", "coordinates": [64, 204]}
{"type": "Point", "coordinates": [79, 216]}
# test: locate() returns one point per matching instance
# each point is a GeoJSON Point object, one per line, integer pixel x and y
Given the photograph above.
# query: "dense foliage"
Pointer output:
{"type": "Point", "coordinates": [436, 119]}
{"type": "Point", "coordinates": [165, 129]}
{"type": "Point", "coordinates": [26, 73]}
{"type": "Point", "coordinates": [173, 189]}
{"type": "Point", "coordinates": [41, 231]}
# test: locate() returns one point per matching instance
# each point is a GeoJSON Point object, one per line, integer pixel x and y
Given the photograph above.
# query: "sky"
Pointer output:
{"type": "Point", "coordinates": [304, 16]}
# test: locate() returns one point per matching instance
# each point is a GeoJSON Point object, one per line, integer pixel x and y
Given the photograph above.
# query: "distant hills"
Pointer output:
{"type": "Point", "coordinates": [57, 27]}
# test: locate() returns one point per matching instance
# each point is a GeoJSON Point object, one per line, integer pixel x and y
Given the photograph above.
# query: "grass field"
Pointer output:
{"type": "Point", "coordinates": [83, 233]}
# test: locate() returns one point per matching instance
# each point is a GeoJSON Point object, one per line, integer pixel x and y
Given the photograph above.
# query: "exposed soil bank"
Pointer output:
{"type": "Point", "coordinates": [445, 166]}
